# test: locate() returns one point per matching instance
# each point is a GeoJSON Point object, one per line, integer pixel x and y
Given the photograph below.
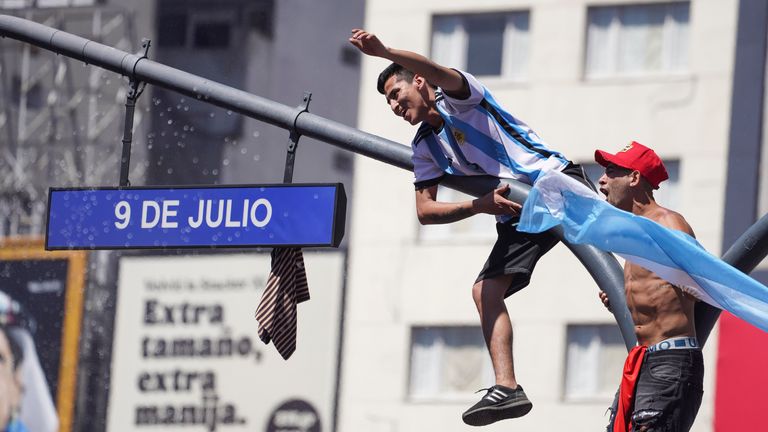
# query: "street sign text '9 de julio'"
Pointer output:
{"type": "Point", "coordinates": [182, 217]}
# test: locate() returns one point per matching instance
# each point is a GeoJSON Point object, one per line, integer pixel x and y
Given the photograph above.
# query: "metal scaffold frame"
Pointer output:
{"type": "Point", "coordinates": [55, 113]}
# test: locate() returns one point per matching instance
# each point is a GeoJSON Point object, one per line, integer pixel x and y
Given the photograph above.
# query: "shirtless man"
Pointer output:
{"type": "Point", "coordinates": [666, 368]}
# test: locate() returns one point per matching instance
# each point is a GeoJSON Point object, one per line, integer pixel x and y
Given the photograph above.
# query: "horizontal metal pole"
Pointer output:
{"type": "Point", "coordinates": [602, 266]}
{"type": "Point", "coordinates": [745, 254]}
{"type": "Point", "coordinates": [268, 111]}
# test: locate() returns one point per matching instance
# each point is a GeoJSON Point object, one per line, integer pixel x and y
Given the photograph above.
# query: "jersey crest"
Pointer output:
{"type": "Point", "coordinates": [459, 135]}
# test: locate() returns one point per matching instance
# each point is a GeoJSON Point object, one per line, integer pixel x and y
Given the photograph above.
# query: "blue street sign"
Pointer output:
{"type": "Point", "coordinates": [182, 217]}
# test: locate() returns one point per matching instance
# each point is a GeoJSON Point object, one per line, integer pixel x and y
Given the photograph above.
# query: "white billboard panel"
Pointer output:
{"type": "Point", "coordinates": [187, 356]}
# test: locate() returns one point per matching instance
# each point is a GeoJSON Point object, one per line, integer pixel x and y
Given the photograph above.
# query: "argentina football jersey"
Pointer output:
{"type": "Point", "coordinates": [479, 138]}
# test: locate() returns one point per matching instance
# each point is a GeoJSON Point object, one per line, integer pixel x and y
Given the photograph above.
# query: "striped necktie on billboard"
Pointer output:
{"type": "Point", "coordinates": [286, 286]}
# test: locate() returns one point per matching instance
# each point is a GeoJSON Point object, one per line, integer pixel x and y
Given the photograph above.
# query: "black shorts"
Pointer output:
{"type": "Point", "coordinates": [517, 252]}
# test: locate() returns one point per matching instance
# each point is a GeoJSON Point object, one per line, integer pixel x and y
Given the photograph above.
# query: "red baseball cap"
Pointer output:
{"type": "Point", "coordinates": [636, 156]}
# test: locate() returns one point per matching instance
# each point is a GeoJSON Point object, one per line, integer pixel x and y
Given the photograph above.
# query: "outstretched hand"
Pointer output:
{"type": "Point", "coordinates": [496, 203]}
{"type": "Point", "coordinates": [368, 43]}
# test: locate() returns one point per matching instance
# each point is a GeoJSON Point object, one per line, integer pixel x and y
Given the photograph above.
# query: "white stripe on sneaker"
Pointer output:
{"type": "Point", "coordinates": [496, 395]}
{"type": "Point", "coordinates": [499, 393]}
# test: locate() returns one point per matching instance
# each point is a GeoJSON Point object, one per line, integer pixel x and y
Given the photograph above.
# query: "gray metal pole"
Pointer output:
{"type": "Point", "coordinates": [745, 254]}
{"type": "Point", "coordinates": [602, 266]}
{"type": "Point", "coordinates": [142, 69]}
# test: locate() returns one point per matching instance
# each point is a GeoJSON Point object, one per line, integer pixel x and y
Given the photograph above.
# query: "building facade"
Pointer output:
{"type": "Point", "coordinates": [584, 75]}
{"type": "Point", "coordinates": [61, 126]}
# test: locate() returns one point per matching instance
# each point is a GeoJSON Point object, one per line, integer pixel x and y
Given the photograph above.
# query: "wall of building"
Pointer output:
{"type": "Point", "coordinates": [398, 280]}
{"type": "Point", "coordinates": [272, 50]}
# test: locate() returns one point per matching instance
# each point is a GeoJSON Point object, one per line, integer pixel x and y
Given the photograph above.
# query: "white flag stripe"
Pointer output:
{"type": "Point", "coordinates": [557, 199]}
{"type": "Point", "coordinates": [676, 277]}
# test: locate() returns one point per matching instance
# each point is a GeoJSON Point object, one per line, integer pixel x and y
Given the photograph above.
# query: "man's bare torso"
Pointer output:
{"type": "Point", "coordinates": [659, 309]}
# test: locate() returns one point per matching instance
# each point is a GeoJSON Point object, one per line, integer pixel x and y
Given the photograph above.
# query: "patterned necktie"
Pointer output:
{"type": "Point", "coordinates": [286, 286]}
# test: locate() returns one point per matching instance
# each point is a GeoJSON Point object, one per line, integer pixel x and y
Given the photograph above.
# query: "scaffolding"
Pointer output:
{"type": "Point", "coordinates": [61, 119]}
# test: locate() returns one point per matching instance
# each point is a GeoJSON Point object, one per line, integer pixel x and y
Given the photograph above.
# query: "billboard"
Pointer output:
{"type": "Point", "coordinates": [186, 355]}
{"type": "Point", "coordinates": [41, 302]}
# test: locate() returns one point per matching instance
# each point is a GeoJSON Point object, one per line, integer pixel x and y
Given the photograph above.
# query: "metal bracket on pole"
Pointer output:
{"type": "Point", "coordinates": [293, 139]}
{"type": "Point", "coordinates": [135, 89]}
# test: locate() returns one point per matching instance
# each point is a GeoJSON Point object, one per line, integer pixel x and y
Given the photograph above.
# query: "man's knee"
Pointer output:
{"type": "Point", "coordinates": [490, 290]}
{"type": "Point", "coordinates": [477, 292]}
{"type": "Point", "coordinates": [482, 293]}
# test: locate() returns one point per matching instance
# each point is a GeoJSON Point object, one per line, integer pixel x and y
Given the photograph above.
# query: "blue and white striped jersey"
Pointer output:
{"type": "Point", "coordinates": [479, 138]}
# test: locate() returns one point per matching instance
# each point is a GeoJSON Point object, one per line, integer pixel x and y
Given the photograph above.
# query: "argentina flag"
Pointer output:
{"type": "Point", "coordinates": [556, 199]}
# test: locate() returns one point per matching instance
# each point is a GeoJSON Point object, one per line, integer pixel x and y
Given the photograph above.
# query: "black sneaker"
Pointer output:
{"type": "Point", "coordinates": [499, 403]}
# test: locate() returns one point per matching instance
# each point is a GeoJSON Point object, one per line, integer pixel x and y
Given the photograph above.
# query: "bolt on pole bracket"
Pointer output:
{"type": "Point", "coordinates": [293, 139]}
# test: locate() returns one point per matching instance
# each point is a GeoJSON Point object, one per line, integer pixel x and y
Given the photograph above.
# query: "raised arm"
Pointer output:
{"type": "Point", "coordinates": [446, 78]}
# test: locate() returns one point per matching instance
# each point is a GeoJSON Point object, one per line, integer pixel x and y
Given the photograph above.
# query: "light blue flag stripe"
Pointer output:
{"type": "Point", "coordinates": [556, 199]}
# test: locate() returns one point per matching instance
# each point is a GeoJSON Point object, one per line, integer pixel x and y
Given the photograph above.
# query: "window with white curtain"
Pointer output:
{"type": "Point", "coordinates": [483, 44]}
{"type": "Point", "coordinates": [633, 40]}
{"type": "Point", "coordinates": [668, 194]}
{"type": "Point", "coordinates": [448, 363]}
{"type": "Point", "coordinates": [594, 360]}
{"type": "Point", "coordinates": [479, 227]}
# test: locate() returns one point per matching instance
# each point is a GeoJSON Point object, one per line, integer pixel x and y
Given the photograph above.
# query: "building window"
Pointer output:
{"type": "Point", "coordinates": [206, 30]}
{"type": "Point", "coordinates": [172, 31]}
{"type": "Point", "coordinates": [594, 359]}
{"type": "Point", "coordinates": [479, 227]}
{"type": "Point", "coordinates": [668, 193]}
{"type": "Point", "coordinates": [448, 363]}
{"type": "Point", "coordinates": [637, 39]}
{"type": "Point", "coordinates": [212, 34]}
{"type": "Point", "coordinates": [261, 18]}
{"type": "Point", "coordinates": [488, 44]}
